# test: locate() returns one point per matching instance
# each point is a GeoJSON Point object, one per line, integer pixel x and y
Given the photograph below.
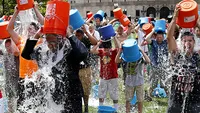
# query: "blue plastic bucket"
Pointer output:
{"type": "Point", "coordinates": [159, 92]}
{"type": "Point", "coordinates": [1, 19]}
{"type": "Point", "coordinates": [95, 91]}
{"type": "Point", "coordinates": [106, 109]}
{"type": "Point", "coordinates": [199, 12]}
{"type": "Point", "coordinates": [143, 20]}
{"type": "Point", "coordinates": [131, 51]}
{"type": "Point", "coordinates": [76, 20]}
{"type": "Point", "coordinates": [134, 100]}
{"type": "Point", "coordinates": [107, 32]}
{"type": "Point", "coordinates": [160, 25]}
{"type": "Point", "coordinates": [99, 14]}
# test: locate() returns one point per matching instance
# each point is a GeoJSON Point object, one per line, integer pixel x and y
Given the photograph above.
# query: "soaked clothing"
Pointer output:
{"type": "Point", "coordinates": [159, 63]}
{"type": "Point", "coordinates": [134, 71]}
{"type": "Point", "coordinates": [65, 71]}
{"type": "Point", "coordinates": [11, 63]}
{"type": "Point", "coordinates": [159, 53]}
{"type": "Point", "coordinates": [185, 90]}
{"type": "Point", "coordinates": [108, 69]}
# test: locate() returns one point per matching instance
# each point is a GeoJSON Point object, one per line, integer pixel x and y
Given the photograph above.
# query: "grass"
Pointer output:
{"type": "Point", "coordinates": [157, 105]}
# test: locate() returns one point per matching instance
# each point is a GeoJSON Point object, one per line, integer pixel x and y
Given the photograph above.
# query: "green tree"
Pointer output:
{"type": "Point", "coordinates": [7, 6]}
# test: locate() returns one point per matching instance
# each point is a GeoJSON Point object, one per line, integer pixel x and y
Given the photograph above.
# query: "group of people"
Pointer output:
{"type": "Point", "coordinates": [83, 48]}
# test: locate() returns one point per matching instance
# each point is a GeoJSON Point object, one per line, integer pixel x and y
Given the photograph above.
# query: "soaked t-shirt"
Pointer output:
{"type": "Point", "coordinates": [159, 53]}
{"type": "Point", "coordinates": [108, 68]}
{"type": "Point", "coordinates": [134, 71]}
{"type": "Point", "coordinates": [185, 89]}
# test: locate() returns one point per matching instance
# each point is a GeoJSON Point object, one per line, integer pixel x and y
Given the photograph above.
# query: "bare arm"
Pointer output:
{"type": "Point", "coordinates": [38, 14]}
{"type": "Point", "coordinates": [148, 37]}
{"type": "Point", "coordinates": [112, 21]}
{"type": "Point", "coordinates": [94, 49]}
{"type": "Point", "coordinates": [117, 58]}
{"type": "Point", "coordinates": [10, 28]}
{"type": "Point", "coordinates": [146, 58]}
{"type": "Point", "coordinates": [170, 35]}
{"type": "Point", "coordinates": [93, 40]}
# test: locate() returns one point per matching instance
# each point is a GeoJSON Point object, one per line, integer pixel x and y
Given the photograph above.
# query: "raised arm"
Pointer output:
{"type": "Point", "coordinates": [92, 39]}
{"type": "Point", "coordinates": [10, 28]}
{"type": "Point", "coordinates": [145, 56]}
{"type": "Point", "coordinates": [170, 35]}
{"type": "Point", "coordinates": [117, 58]}
{"type": "Point", "coordinates": [38, 14]}
{"type": "Point", "coordinates": [148, 37]}
{"type": "Point", "coordinates": [94, 49]}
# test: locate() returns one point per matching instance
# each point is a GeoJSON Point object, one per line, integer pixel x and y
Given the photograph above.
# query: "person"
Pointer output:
{"type": "Point", "coordinates": [159, 60]}
{"type": "Point", "coordinates": [185, 61]}
{"type": "Point", "coordinates": [26, 68]}
{"type": "Point", "coordinates": [108, 72]}
{"type": "Point", "coordinates": [65, 69]}
{"type": "Point", "coordinates": [85, 66]}
{"type": "Point", "coordinates": [134, 79]}
{"type": "Point", "coordinates": [11, 63]}
{"type": "Point", "coordinates": [93, 32]}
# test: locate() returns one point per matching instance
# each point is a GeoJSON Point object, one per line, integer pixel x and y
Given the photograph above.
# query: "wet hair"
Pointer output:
{"type": "Point", "coordinates": [187, 34]}
{"type": "Point", "coordinates": [8, 40]}
{"type": "Point", "coordinates": [80, 31]}
{"type": "Point", "coordinates": [35, 25]}
{"type": "Point", "coordinates": [106, 44]}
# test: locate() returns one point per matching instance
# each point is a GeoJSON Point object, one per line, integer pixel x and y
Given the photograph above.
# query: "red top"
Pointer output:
{"type": "Point", "coordinates": [108, 68]}
{"type": "Point", "coordinates": [0, 94]}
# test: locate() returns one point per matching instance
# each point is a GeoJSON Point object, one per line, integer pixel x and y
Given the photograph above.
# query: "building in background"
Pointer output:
{"type": "Point", "coordinates": [135, 8]}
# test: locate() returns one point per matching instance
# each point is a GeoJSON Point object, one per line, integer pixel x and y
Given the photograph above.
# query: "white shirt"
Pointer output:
{"type": "Point", "coordinates": [140, 40]}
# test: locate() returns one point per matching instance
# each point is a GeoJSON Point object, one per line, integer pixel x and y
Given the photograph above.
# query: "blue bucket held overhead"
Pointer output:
{"type": "Point", "coordinates": [107, 32]}
{"type": "Point", "coordinates": [106, 109]}
{"type": "Point", "coordinates": [131, 51]}
{"type": "Point", "coordinates": [76, 20]}
{"type": "Point", "coordinates": [99, 14]}
{"type": "Point", "coordinates": [143, 20]}
{"type": "Point", "coordinates": [160, 26]}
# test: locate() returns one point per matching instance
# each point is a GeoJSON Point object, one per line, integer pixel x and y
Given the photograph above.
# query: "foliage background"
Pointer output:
{"type": "Point", "coordinates": [7, 6]}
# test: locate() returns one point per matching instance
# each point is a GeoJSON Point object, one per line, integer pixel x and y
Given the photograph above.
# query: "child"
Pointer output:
{"type": "Point", "coordinates": [108, 72]}
{"type": "Point", "coordinates": [134, 78]}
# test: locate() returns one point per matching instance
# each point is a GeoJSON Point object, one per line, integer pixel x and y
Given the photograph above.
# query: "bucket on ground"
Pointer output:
{"type": "Point", "coordinates": [159, 92]}
{"type": "Point", "coordinates": [95, 89]}
{"type": "Point", "coordinates": [100, 15]}
{"type": "Point", "coordinates": [107, 32]}
{"type": "Point", "coordinates": [106, 109]}
{"type": "Point", "coordinates": [118, 13]}
{"type": "Point", "coordinates": [3, 31]}
{"type": "Point", "coordinates": [25, 4]}
{"type": "Point", "coordinates": [188, 14]}
{"type": "Point", "coordinates": [160, 26]}
{"type": "Point", "coordinates": [147, 28]}
{"type": "Point", "coordinates": [131, 51]}
{"type": "Point", "coordinates": [76, 20]}
{"type": "Point", "coordinates": [56, 17]}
